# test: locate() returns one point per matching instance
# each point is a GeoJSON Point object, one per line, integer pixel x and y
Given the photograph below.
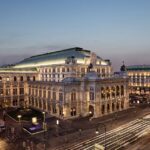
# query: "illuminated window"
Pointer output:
{"type": "Point", "coordinates": [7, 91]}
{"type": "Point", "coordinates": [7, 79]}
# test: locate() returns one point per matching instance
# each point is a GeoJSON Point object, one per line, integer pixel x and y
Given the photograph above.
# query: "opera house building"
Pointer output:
{"type": "Point", "coordinates": [66, 84]}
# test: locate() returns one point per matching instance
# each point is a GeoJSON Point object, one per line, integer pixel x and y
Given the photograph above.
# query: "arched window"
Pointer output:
{"type": "Point", "coordinates": [103, 72]}
{"type": "Point", "coordinates": [108, 108]}
{"type": "Point", "coordinates": [108, 92]}
{"type": "Point", "coordinates": [113, 106]}
{"type": "Point", "coordinates": [73, 111]}
{"type": "Point", "coordinates": [102, 93]}
{"type": "Point", "coordinates": [103, 109]}
{"type": "Point", "coordinates": [33, 78]}
{"type": "Point", "coordinates": [60, 96]}
{"type": "Point", "coordinates": [0, 78]}
{"type": "Point", "coordinates": [122, 90]}
{"type": "Point", "coordinates": [28, 78]}
{"type": "Point", "coordinates": [15, 78]}
{"type": "Point", "coordinates": [92, 94]}
{"type": "Point", "coordinates": [122, 104]}
{"type": "Point", "coordinates": [21, 78]}
{"type": "Point", "coordinates": [117, 91]}
{"type": "Point", "coordinates": [73, 95]}
{"type": "Point", "coordinates": [54, 94]}
{"type": "Point", "coordinates": [113, 92]}
{"type": "Point", "coordinates": [117, 106]}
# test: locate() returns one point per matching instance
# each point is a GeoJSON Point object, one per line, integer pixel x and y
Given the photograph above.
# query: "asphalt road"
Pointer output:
{"type": "Point", "coordinates": [69, 134]}
{"type": "Point", "coordinates": [116, 138]}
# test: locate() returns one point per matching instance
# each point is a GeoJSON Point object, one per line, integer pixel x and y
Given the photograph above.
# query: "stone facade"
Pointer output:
{"type": "Point", "coordinates": [72, 98]}
{"type": "Point", "coordinates": [79, 83]}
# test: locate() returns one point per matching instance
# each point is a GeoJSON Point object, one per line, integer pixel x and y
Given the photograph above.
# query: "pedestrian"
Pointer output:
{"type": "Point", "coordinates": [31, 145]}
{"type": "Point", "coordinates": [4, 115]}
{"type": "Point", "coordinates": [24, 145]}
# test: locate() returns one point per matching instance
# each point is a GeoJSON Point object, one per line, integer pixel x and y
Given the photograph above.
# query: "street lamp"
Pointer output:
{"type": "Point", "coordinates": [44, 123]}
{"type": "Point", "coordinates": [19, 118]}
{"type": "Point", "coordinates": [57, 122]}
{"type": "Point", "coordinates": [43, 119]}
{"type": "Point", "coordinates": [57, 126]}
{"type": "Point", "coordinates": [97, 132]}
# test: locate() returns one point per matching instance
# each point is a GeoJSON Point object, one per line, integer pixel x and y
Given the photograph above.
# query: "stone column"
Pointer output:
{"type": "Point", "coordinates": [11, 93]}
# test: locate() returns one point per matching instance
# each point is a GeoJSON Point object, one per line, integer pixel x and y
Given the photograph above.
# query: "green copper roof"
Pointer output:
{"type": "Point", "coordinates": [138, 67]}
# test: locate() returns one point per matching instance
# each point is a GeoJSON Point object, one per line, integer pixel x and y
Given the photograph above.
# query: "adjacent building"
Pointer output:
{"type": "Point", "coordinates": [139, 82]}
{"type": "Point", "coordinates": [68, 83]}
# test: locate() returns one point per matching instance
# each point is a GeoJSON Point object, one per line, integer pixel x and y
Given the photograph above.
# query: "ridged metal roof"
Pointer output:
{"type": "Point", "coordinates": [76, 52]}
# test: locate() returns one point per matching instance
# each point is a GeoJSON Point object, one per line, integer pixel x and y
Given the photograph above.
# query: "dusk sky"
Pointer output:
{"type": "Point", "coordinates": [115, 29]}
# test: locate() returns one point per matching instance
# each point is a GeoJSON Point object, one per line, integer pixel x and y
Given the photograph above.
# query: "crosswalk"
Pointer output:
{"type": "Point", "coordinates": [114, 139]}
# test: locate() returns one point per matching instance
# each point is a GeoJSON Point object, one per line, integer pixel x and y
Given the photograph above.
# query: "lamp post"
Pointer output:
{"type": "Point", "coordinates": [19, 118]}
{"type": "Point", "coordinates": [44, 128]}
{"type": "Point", "coordinates": [44, 124]}
{"type": "Point", "coordinates": [97, 132]}
{"type": "Point", "coordinates": [57, 126]}
{"type": "Point", "coordinates": [43, 119]}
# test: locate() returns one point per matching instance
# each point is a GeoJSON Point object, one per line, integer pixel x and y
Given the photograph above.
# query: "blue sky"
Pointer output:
{"type": "Point", "coordinates": [114, 29]}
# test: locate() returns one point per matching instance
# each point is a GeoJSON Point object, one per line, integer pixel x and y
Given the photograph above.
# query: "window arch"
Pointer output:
{"type": "Point", "coordinates": [0, 78]}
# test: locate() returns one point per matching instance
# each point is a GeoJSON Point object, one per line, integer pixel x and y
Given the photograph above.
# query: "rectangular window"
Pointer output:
{"type": "Point", "coordinates": [14, 91]}
{"type": "Point", "coordinates": [21, 91]}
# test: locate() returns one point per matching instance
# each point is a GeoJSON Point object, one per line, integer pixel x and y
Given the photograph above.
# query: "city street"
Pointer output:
{"type": "Point", "coordinates": [121, 128]}
{"type": "Point", "coordinates": [115, 139]}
